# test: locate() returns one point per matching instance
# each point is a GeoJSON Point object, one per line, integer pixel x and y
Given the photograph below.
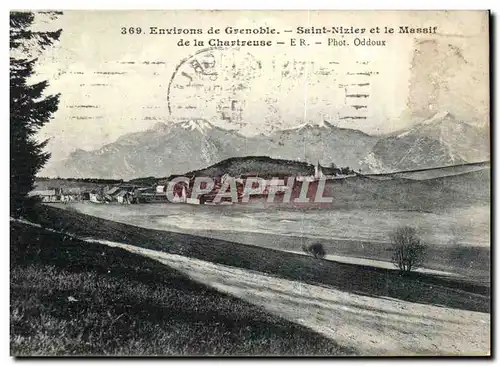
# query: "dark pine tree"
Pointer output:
{"type": "Point", "coordinates": [30, 109]}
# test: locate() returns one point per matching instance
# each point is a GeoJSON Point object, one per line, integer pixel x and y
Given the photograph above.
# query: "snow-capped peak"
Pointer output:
{"type": "Point", "coordinates": [196, 125]}
{"type": "Point", "coordinates": [438, 117]}
{"type": "Point", "coordinates": [322, 124]}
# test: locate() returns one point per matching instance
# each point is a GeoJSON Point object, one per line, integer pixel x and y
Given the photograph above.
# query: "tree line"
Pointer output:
{"type": "Point", "coordinates": [85, 180]}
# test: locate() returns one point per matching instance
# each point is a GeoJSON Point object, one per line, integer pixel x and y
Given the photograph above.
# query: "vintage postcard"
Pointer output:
{"type": "Point", "coordinates": [250, 183]}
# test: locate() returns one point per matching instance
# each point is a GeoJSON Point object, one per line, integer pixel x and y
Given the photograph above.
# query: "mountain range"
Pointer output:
{"type": "Point", "coordinates": [438, 141]}
{"type": "Point", "coordinates": [176, 148]}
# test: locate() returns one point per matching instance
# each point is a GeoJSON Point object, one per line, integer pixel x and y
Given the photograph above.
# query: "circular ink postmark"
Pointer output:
{"type": "Point", "coordinates": [214, 84]}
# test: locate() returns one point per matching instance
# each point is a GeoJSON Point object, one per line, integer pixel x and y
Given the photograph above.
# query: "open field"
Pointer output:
{"type": "Point", "coordinates": [458, 240]}
{"type": "Point", "coordinates": [362, 323]}
{"type": "Point", "coordinates": [363, 280]}
{"type": "Point", "coordinates": [76, 291]}
{"type": "Point", "coordinates": [69, 297]}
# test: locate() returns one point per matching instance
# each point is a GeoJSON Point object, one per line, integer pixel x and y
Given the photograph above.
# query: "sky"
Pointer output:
{"type": "Point", "coordinates": [112, 84]}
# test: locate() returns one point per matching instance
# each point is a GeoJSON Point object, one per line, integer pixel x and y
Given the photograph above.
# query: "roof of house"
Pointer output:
{"type": "Point", "coordinates": [112, 191]}
{"type": "Point", "coordinates": [128, 188]}
{"type": "Point", "coordinates": [45, 192]}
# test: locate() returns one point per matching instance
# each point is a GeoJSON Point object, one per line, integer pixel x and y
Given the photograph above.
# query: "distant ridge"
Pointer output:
{"type": "Point", "coordinates": [262, 166]}
{"type": "Point", "coordinates": [478, 164]}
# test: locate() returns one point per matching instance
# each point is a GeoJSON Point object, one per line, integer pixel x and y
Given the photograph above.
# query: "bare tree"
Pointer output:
{"type": "Point", "coordinates": [408, 251]}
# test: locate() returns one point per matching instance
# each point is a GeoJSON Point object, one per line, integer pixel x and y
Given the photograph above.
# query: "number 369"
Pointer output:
{"type": "Point", "coordinates": [131, 30]}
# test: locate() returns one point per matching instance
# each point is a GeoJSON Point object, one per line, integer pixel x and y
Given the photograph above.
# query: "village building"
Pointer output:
{"type": "Point", "coordinates": [180, 197]}
{"type": "Point", "coordinates": [111, 193]}
{"type": "Point", "coordinates": [124, 197]}
{"type": "Point", "coordinates": [71, 194]}
{"type": "Point", "coordinates": [95, 196]}
{"type": "Point", "coordinates": [144, 195]}
{"type": "Point", "coordinates": [47, 195]}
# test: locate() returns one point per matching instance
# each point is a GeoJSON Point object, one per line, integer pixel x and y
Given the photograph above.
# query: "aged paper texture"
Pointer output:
{"type": "Point", "coordinates": [248, 183]}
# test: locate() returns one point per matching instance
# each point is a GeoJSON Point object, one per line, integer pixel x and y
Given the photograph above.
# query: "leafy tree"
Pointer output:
{"type": "Point", "coordinates": [30, 109]}
{"type": "Point", "coordinates": [408, 251]}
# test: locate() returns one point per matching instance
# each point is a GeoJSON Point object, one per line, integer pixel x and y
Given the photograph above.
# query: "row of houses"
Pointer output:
{"type": "Point", "coordinates": [123, 195]}
{"type": "Point", "coordinates": [129, 194]}
{"type": "Point", "coordinates": [60, 195]}
{"type": "Point", "coordinates": [182, 191]}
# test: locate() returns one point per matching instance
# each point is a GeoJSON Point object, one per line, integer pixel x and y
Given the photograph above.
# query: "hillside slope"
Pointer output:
{"type": "Point", "coordinates": [262, 166]}
{"type": "Point", "coordinates": [439, 141]}
{"type": "Point", "coordinates": [75, 298]}
{"type": "Point", "coordinates": [461, 190]}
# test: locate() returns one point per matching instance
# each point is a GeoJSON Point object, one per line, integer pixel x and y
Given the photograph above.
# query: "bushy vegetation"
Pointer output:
{"type": "Point", "coordinates": [85, 180]}
{"type": "Point", "coordinates": [341, 170]}
{"type": "Point", "coordinates": [146, 181]}
{"type": "Point", "coordinates": [408, 251]}
{"type": "Point", "coordinates": [263, 166]}
{"type": "Point", "coordinates": [316, 250]}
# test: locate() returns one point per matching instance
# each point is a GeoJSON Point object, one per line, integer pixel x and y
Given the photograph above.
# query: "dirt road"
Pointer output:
{"type": "Point", "coordinates": [372, 325]}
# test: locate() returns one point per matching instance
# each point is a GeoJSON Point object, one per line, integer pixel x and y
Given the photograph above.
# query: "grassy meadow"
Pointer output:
{"type": "Point", "coordinates": [371, 281]}
{"type": "Point", "coordinates": [70, 297]}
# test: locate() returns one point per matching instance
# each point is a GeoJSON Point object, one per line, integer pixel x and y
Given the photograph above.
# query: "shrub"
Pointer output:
{"type": "Point", "coordinates": [316, 250]}
{"type": "Point", "coordinates": [408, 251]}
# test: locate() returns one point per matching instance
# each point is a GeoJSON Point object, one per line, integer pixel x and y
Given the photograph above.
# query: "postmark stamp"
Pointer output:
{"type": "Point", "coordinates": [213, 83]}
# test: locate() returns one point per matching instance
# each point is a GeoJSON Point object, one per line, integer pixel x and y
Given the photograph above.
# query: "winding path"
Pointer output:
{"type": "Point", "coordinates": [372, 325]}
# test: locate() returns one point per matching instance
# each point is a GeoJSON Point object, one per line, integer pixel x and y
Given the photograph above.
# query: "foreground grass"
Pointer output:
{"type": "Point", "coordinates": [363, 280]}
{"type": "Point", "coordinates": [74, 298]}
